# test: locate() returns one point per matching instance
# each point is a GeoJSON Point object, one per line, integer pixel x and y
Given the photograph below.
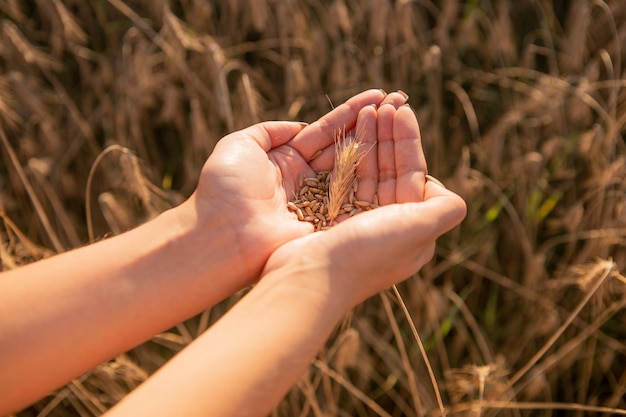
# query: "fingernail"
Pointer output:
{"type": "Point", "coordinates": [303, 124]}
{"type": "Point", "coordinates": [435, 180]}
{"type": "Point", "coordinates": [382, 91]}
{"type": "Point", "coordinates": [403, 94]}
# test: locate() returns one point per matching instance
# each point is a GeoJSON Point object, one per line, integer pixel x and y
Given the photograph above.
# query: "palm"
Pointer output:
{"type": "Point", "coordinates": [251, 187]}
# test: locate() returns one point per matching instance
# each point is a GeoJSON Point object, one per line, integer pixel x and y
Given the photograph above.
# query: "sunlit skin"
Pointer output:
{"type": "Point", "coordinates": [252, 173]}
{"type": "Point", "coordinates": [69, 313]}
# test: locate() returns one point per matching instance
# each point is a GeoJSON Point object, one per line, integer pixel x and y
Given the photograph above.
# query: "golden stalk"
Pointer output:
{"type": "Point", "coordinates": [349, 153]}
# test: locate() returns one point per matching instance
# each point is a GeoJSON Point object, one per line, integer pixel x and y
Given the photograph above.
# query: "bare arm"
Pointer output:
{"type": "Point", "coordinates": [65, 315]}
{"type": "Point", "coordinates": [246, 362]}
{"type": "Point", "coordinates": [248, 359]}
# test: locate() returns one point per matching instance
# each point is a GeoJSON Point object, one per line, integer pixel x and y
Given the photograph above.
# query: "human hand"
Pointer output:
{"type": "Point", "coordinates": [252, 173]}
{"type": "Point", "coordinates": [373, 250]}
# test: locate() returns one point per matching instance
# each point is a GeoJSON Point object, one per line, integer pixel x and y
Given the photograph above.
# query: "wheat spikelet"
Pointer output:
{"type": "Point", "coordinates": [8, 115]}
{"type": "Point", "coordinates": [25, 50]}
{"type": "Point", "coordinates": [181, 33]}
{"type": "Point", "coordinates": [349, 153]}
{"type": "Point", "coordinates": [117, 216]}
{"type": "Point", "coordinates": [348, 350]}
{"type": "Point", "coordinates": [65, 28]}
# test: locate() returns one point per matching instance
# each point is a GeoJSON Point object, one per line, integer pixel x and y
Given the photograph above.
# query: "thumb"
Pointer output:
{"type": "Point", "coordinates": [447, 207]}
{"type": "Point", "coordinates": [273, 133]}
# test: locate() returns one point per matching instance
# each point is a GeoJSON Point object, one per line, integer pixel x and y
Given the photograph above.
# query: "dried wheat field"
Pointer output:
{"type": "Point", "coordinates": [108, 109]}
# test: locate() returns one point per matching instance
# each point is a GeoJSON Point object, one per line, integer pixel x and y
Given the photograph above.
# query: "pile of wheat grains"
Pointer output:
{"type": "Point", "coordinates": [312, 201]}
{"type": "Point", "coordinates": [323, 198]}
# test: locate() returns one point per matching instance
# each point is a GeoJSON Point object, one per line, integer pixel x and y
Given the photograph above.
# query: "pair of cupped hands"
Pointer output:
{"type": "Point", "coordinates": [252, 173]}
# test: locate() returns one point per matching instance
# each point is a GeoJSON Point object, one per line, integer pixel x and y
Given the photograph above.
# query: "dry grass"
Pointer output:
{"type": "Point", "coordinates": [523, 112]}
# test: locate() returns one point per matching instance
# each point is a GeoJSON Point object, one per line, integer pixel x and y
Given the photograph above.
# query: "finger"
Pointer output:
{"type": "Point", "coordinates": [367, 170]}
{"type": "Point", "coordinates": [321, 134]}
{"type": "Point", "coordinates": [409, 156]}
{"type": "Point", "coordinates": [453, 208]}
{"type": "Point", "coordinates": [271, 134]}
{"type": "Point", "coordinates": [409, 225]}
{"type": "Point", "coordinates": [386, 155]}
{"type": "Point", "coordinates": [396, 99]}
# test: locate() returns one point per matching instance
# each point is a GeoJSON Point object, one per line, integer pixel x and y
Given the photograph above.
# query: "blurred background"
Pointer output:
{"type": "Point", "coordinates": [109, 108]}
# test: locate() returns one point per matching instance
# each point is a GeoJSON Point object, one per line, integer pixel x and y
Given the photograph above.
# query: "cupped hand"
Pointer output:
{"type": "Point", "coordinates": [252, 173]}
{"type": "Point", "coordinates": [373, 250]}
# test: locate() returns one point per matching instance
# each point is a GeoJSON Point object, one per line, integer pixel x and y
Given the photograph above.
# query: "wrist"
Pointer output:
{"type": "Point", "coordinates": [310, 275]}
{"type": "Point", "coordinates": [205, 249]}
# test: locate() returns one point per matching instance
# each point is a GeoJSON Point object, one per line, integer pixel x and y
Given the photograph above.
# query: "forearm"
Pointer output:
{"type": "Point", "coordinates": [249, 359]}
{"type": "Point", "coordinates": [63, 316]}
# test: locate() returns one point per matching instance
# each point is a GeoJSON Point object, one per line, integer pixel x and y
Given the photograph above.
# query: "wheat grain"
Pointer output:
{"type": "Point", "coordinates": [316, 154]}
{"type": "Point", "coordinates": [312, 182]}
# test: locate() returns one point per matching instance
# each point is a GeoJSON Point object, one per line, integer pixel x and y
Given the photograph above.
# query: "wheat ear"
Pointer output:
{"type": "Point", "coordinates": [349, 152]}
